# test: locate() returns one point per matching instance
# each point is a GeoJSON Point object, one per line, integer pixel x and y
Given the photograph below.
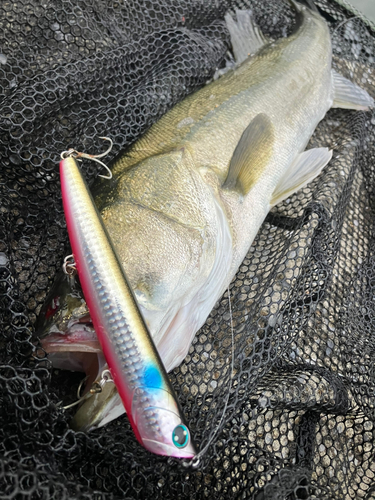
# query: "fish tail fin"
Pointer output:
{"type": "Point", "coordinates": [348, 95]}
{"type": "Point", "coordinates": [246, 37]}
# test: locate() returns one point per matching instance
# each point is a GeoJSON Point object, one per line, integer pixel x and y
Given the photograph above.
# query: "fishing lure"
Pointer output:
{"type": "Point", "coordinates": [134, 362]}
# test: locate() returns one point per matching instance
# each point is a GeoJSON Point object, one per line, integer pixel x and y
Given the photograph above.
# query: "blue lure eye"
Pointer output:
{"type": "Point", "coordinates": [180, 436]}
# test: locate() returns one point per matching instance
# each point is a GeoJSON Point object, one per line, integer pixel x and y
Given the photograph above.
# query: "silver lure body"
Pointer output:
{"type": "Point", "coordinates": [135, 365]}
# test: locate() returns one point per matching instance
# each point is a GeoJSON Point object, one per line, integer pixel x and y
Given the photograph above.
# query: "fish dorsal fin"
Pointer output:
{"type": "Point", "coordinates": [305, 167]}
{"type": "Point", "coordinates": [251, 155]}
{"type": "Point", "coordinates": [348, 95]}
{"type": "Point", "coordinates": [246, 37]}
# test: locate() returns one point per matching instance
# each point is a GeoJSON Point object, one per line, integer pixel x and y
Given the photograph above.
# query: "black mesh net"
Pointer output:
{"type": "Point", "coordinates": [300, 416]}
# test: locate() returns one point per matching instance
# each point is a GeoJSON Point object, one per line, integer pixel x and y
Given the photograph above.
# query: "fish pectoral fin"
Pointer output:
{"type": "Point", "coordinates": [251, 155]}
{"type": "Point", "coordinates": [246, 37]}
{"type": "Point", "coordinates": [305, 167]}
{"type": "Point", "coordinates": [348, 95]}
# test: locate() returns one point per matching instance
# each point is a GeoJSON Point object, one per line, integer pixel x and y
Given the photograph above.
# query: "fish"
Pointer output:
{"type": "Point", "coordinates": [134, 363]}
{"type": "Point", "coordinates": [187, 199]}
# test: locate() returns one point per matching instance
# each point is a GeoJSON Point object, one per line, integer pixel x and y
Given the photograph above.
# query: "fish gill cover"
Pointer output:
{"type": "Point", "coordinates": [300, 415]}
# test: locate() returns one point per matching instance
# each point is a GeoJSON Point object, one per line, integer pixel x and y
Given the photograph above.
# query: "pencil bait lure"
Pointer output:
{"type": "Point", "coordinates": [134, 363]}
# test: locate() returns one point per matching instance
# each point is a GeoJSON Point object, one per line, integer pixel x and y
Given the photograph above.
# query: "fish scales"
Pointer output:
{"type": "Point", "coordinates": [217, 99]}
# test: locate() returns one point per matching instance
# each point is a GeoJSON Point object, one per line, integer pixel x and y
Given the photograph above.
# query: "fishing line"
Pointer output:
{"type": "Point", "coordinates": [196, 460]}
{"type": "Point", "coordinates": [344, 22]}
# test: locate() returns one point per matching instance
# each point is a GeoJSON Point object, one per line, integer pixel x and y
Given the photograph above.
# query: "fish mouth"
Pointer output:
{"type": "Point", "coordinates": [67, 334]}
{"type": "Point", "coordinates": [64, 323]}
{"type": "Point", "coordinates": [78, 349]}
{"type": "Point", "coordinates": [79, 337]}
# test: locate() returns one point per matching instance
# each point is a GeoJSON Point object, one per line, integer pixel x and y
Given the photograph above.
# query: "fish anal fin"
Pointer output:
{"type": "Point", "coordinates": [305, 167]}
{"type": "Point", "coordinates": [246, 37]}
{"type": "Point", "coordinates": [348, 95]}
{"type": "Point", "coordinates": [251, 155]}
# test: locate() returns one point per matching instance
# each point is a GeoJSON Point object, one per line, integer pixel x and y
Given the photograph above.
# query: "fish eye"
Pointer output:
{"type": "Point", "coordinates": [180, 436]}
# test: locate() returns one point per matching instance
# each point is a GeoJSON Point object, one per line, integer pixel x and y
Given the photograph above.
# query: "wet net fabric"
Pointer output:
{"type": "Point", "coordinates": [295, 417]}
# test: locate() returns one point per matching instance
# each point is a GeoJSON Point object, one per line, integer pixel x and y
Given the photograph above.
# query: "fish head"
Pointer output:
{"type": "Point", "coordinates": [160, 423]}
{"type": "Point", "coordinates": [67, 335]}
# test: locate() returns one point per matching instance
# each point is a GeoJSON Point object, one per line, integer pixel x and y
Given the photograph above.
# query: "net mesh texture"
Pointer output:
{"type": "Point", "coordinates": [299, 422]}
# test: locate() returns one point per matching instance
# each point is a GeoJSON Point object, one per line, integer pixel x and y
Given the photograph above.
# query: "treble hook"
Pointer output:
{"type": "Point", "coordinates": [77, 155]}
{"type": "Point", "coordinates": [80, 398]}
{"type": "Point", "coordinates": [96, 388]}
{"type": "Point", "coordinates": [69, 266]}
